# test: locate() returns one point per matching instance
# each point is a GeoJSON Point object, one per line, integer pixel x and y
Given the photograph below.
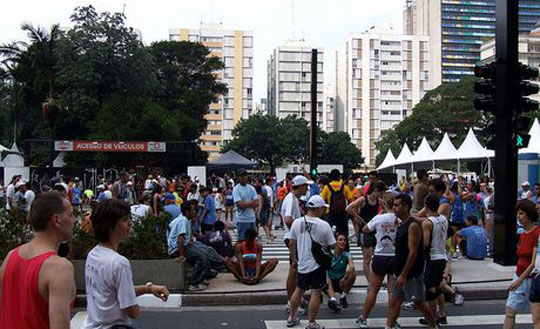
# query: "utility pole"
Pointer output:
{"type": "Point", "coordinates": [313, 126]}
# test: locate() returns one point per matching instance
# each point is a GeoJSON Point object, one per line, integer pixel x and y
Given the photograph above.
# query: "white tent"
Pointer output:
{"type": "Point", "coordinates": [59, 160]}
{"type": "Point", "coordinates": [14, 159]}
{"type": "Point", "coordinates": [445, 151]}
{"type": "Point", "coordinates": [388, 160]}
{"type": "Point", "coordinates": [424, 152]}
{"type": "Point", "coordinates": [534, 143]}
{"type": "Point", "coordinates": [405, 156]}
{"type": "Point", "coordinates": [472, 149]}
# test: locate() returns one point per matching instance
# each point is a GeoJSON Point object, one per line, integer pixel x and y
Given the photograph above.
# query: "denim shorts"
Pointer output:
{"type": "Point", "coordinates": [519, 299]}
{"type": "Point", "coordinates": [241, 229]}
{"type": "Point", "coordinates": [534, 296]}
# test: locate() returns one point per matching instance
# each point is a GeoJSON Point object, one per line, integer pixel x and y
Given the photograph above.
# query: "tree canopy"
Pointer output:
{"type": "Point", "coordinates": [274, 142]}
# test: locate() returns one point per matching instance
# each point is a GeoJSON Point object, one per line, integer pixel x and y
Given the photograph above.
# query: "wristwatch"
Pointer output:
{"type": "Point", "coordinates": [148, 285]}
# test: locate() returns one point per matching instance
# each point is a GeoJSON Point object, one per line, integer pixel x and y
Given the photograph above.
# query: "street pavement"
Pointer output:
{"type": "Point", "coordinates": [479, 314]}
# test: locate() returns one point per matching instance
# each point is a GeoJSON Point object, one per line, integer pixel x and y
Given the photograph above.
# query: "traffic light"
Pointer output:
{"type": "Point", "coordinates": [522, 123]}
{"type": "Point", "coordinates": [314, 172]}
{"type": "Point", "coordinates": [491, 133]}
{"type": "Point", "coordinates": [485, 101]}
{"type": "Point", "coordinates": [319, 148]}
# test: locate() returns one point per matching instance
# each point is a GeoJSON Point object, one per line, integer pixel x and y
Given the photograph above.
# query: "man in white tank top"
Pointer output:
{"type": "Point", "coordinates": [435, 230]}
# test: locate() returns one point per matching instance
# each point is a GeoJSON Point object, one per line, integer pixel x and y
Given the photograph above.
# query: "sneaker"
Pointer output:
{"type": "Point", "coordinates": [206, 282]}
{"type": "Point", "coordinates": [292, 323]}
{"type": "Point", "coordinates": [361, 323]}
{"type": "Point", "coordinates": [442, 320]}
{"type": "Point", "coordinates": [409, 306]}
{"type": "Point", "coordinates": [287, 307]}
{"type": "Point", "coordinates": [343, 302]}
{"type": "Point", "coordinates": [313, 325]}
{"type": "Point", "coordinates": [459, 300]}
{"type": "Point", "coordinates": [304, 305]}
{"type": "Point", "coordinates": [198, 287]}
{"type": "Point", "coordinates": [333, 305]}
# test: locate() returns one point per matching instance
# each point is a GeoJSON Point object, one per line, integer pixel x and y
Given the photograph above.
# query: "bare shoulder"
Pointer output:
{"type": "Point", "coordinates": [58, 265]}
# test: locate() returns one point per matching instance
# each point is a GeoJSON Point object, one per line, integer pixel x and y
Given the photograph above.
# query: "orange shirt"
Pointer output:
{"type": "Point", "coordinates": [281, 193]}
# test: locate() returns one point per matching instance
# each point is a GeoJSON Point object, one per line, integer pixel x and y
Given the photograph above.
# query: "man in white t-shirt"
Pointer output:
{"type": "Point", "coordinates": [290, 210]}
{"type": "Point", "coordinates": [29, 196]}
{"type": "Point", "coordinates": [311, 275]}
{"type": "Point", "coordinates": [382, 264]}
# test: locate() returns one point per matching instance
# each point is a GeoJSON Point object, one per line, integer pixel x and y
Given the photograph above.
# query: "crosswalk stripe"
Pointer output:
{"type": "Point", "coordinates": [453, 321]}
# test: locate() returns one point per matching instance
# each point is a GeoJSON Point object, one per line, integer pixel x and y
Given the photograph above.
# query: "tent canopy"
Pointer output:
{"type": "Point", "coordinates": [446, 150]}
{"type": "Point", "coordinates": [534, 143]}
{"type": "Point", "coordinates": [388, 160]}
{"type": "Point", "coordinates": [14, 157]}
{"type": "Point", "coordinates": [472, 149]}
{"type": "Point", "coordinates": [424, 152]}
{"type": "Point", "coordinates": [405, 156]}
{"type": "Point", "coordinates": [231, 161]}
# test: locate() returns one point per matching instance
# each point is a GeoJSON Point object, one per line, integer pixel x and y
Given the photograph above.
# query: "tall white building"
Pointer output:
{"type": "Point", "coordinates": [329, 106]}
{"type": "Point", "coordinates": [235, 48]}
{"type": "Point", "coordinates": [380, 77]}
{"type": "Point", "coordinates": [289, 81]}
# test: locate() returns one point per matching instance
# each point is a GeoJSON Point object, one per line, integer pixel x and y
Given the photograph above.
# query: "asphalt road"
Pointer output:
{"type": "Point", "coordinates": [471, 315]}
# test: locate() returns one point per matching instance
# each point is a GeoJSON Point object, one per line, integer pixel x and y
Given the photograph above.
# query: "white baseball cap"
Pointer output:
{"type": "Point", "coordinates": [301, 180]}
{"type": "Point", "coordinates": [316, 202]}
{"type": "Point", "coordinates": [19, 184]}
{"type": "Point", "coordinates": [525, 183]}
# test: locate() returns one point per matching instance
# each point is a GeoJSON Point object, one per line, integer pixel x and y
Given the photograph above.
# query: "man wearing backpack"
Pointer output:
{"type": "Point", "coordinates": [337, 195]}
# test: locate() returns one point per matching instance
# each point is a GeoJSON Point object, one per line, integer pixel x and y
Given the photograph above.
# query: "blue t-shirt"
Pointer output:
{"type": "Point", "coordinates": [210, 206]}
{"type": "Point", "coordinates": [476, 241]}
{"type": "Point", "coordinates": [77, 196]}
{"type": "Point", "coordinates": [314, 190]}
{"type": "Point", "coordinates": [245, 193]}
{"type": "Point", "coordinates": [471, 207]}
{"type": "Point", "coordinates": [457, 210]}
{"type": "Point", "coordinates": [173, 210]}
{"type": "Point", "coordinates": [179, 225]}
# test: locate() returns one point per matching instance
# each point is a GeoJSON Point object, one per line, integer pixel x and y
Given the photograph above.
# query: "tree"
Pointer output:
{"type": "Point", "coordinates": [338, 148]}
{"type": "Point", "coordinates": [447, 108]}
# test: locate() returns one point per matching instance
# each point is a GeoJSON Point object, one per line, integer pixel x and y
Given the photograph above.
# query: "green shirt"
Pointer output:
{"type": "Point", "coordinates": [339, 266]}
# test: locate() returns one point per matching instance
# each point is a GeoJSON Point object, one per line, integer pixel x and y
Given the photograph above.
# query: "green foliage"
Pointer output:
{"type": "Point", "coordinates": [12, 232]}
{"type": "Point", "coordinates": [447, 108]}
{"type": "Point", "coordinates": [273, 142]}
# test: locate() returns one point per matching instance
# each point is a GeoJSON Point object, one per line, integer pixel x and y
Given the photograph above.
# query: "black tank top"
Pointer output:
{"type": "Point", "coordinates": [368, 211]}
{"type": "Point", "coordinates": [402, 250]}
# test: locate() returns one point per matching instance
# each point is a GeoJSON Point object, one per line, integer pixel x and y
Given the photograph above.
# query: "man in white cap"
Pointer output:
{"type": "Point", "coordinates": [525, 192]}
{"type": "Point", "coordinates": [290, 210]}
{"type": "Point", "coordinates": [304, 231]}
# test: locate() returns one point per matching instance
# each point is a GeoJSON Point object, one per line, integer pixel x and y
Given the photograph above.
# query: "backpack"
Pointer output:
{"type": "Point", "coordinates": [337, 200]}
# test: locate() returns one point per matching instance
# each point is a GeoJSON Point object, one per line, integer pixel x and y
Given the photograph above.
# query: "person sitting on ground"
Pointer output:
{"type": "Point", "coordinates": [182, 247]}
{"type": "Point", "coordinates": [248, 266]}
{"type": "Point", "coordinates": [219, 239]}
{"type": "Point", "coordinates": [111, 295]}
{"type": "Point", "coordinates": [341, 276]}
{"type": "Point", "coordinates": [472, 240]}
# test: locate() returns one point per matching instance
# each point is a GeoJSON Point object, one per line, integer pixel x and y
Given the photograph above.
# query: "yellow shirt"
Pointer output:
{"type": "Point", "coordinates": [336, 186]}
{"type": "Point", "coordinates": [179, 200]}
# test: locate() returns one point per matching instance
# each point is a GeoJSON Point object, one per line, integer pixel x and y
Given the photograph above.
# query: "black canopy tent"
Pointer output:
{"type": "Point", "coordinates": [231, 161]}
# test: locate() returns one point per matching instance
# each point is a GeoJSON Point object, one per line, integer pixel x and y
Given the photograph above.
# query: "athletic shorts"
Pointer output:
{"type": "Point", "coordinates": [241, 229]}
{"type": "Point", "coordinates": [367, 240]}
{"type": "Point", "coordinates": [519, 299]}
{"type": "Point", "coordinates": [383, 265]}
{"type": "Point", "coordinates": [534, 295]}
{"type": "Point", "coordinates": [263, 219]}
{"type": "Point", "coordinates": [312, 280]}
{"type": "Point", "coordinates": [433, 274]}
{"type": "Point", "coordinates": [412, 290]}
{"type": "Point", "coordinates": [335, 285]}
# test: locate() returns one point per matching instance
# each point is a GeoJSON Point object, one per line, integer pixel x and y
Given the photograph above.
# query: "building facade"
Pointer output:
{"type": "Point", "coordinates": [457, 29]}
{"type": "Point", "coordinates": [289, 81]}
{"type": "Point", "coordinates": [329, 106]}
{"type": "Point", "coordinates": [235, 48]}
{"type": "Point", "coordinates": [380, 77]}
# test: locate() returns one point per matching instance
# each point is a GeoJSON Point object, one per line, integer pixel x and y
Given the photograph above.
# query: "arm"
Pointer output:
{"type": "Point", "coordinates": [414, 240]}
{"type": "Point", "coordinates": [350, 266]}
{"type": "Point", "coordinates": [426, 229]}
{"type": "Point", "coordinates": [354, 207]}
{"type": "Point", "coordinates": [181, 241]}
{"type": "Point", "coordinates": [61, 287]}
{"type": "Point", "coordinates": [238, 253]}
{"type": "Point", "coordinates": [160, 292]}
{"type": "Point", "coordinates": [258, 263]}
{"type": "Point", "coordinates": [292, 247]}
{"type": "Point", "coordinates": [525, 273]}
{"type": "Point", "coordinates": [445, 210]}
{"type": "Point", "coordinates": [2, 268]}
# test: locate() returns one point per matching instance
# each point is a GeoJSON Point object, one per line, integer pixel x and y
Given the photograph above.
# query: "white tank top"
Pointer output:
{"type": "Point", "coordinates": [438, 237]}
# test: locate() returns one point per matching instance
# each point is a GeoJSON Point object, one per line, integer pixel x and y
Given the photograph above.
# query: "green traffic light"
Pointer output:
{"type": "Point", "coordinates": [519, 142]}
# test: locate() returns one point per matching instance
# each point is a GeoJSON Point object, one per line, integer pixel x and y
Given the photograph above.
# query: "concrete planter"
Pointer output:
{"type": "Point", "coordinates": [160, 271]}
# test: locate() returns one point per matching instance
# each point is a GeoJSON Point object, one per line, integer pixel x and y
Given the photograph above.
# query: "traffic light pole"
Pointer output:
{"type": "Point", "coordinates": [313, 126]}
{"type": "Point", "coordinates": [505, 152]}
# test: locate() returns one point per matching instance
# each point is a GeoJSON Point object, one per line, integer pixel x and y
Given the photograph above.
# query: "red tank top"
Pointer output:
{"type": "Point", "coordinates": [250, 255]}
{"type": "Point", "coordinates": [21, 305]}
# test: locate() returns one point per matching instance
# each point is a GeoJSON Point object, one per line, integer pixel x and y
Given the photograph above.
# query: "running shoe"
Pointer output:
{"type": "Point", "coordinates": [409, 306]}
{"type": "Point", "coordinates": [313, 325]}
{"type": "Point", "coordinates": [292, 322]}
{"type": "Point", "coordinates": [198, 287]}
{"type": "Point", "coordinates": [333, 305]}
{"type": "Point", "coordinates": [361, 323]}
{"type": "Point", "coordinates": [343, 302]}
{"type": "Point", "coordinates": [459, 300]}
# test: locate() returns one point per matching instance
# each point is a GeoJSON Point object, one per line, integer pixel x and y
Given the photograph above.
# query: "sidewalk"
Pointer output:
{"type": "Point", "coordinates": [477, 280]}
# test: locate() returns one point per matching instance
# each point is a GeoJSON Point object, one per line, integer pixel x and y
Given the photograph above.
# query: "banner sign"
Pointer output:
{"type": "Point", "coordinates": [109, 146]}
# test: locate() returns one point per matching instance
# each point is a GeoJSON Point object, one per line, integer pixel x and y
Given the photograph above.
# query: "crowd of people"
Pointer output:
{"type": "Point", "coordinates": [409, 234]}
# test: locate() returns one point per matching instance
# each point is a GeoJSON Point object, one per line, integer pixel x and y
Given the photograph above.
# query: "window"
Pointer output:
{"type": "Point", "coordinates": [303, 104]}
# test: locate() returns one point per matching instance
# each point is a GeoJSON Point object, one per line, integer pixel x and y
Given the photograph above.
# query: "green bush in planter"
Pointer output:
{"type": "Point", "coordinates": [148, 240]}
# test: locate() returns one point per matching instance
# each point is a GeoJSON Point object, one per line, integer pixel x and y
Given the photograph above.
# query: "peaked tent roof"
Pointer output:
{"type": "Point", "coordinates": [405, 156]}
{"type": "Point", "coordinates": [424, 152]}
{"type": "Point", "coordinates": [446, 150]}
{"type": "Point", "coordinates": [472, 149]}
{"type": "Point", "coordinates": [14, 158]}
{"type": "Point", "coordinates": [534, 143]}
{"type": "Point", "coordinates": [231, 161]}
{"type": "Point", "coordinates": [388, 160]}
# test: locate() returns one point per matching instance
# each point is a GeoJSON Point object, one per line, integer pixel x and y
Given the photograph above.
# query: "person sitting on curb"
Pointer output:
{"type": "Point", "coordinates": [248, 266]}
{"type": "Point", "coordinates": [110, 292]}
{"type": "Point", "coordinates": [472, 240]}
{"type": "Point", "coordinates": [182, 247]}
{"type": "Point", "coordinates": [341, 276]}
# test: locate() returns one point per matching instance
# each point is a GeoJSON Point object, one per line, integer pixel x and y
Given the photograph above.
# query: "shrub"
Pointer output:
{"type": "Point", "coordinates": [13, 232]}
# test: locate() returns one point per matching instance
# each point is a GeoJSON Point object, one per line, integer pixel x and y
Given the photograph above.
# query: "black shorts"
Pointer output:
{"type": "Point", "coordinates": [383, 265]}
{"type": "Point", "coordinates": [335, 285]}
{"type": "Point", "coordinates": [312, 280]}
{"type": "Point", "coordinates": [367, 240]}
{"type": "Point", "coordinates": [534, 295]}
{"type": "Point", "coordinates": [457, 225]}
{"type": "Point", "coordinates": [433, 275]}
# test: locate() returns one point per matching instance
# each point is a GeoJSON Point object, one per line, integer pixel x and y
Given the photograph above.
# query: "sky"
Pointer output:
{"type": "Point", "coordinates": [322, 23]}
